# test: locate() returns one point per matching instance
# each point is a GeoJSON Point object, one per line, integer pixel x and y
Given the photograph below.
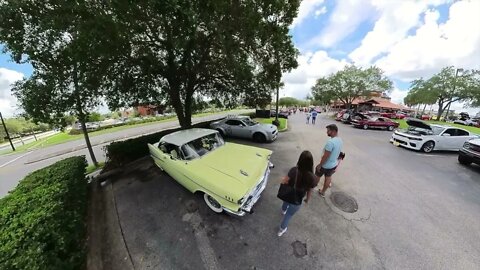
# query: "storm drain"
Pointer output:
{"type": "Point", "coordinates": [299, 249]}
{"type": "Point", "coordinates": [344, 202]}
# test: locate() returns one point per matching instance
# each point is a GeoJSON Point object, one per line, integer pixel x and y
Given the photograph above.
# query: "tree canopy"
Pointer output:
{"type": "Point", "coordinates": [446, 87]}
{"type": "Point", "coordinates": [350, 83]}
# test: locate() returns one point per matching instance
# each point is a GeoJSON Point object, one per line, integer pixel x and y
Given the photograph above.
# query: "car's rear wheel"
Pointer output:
{"type": "Point", "coordinates": [212, 203]}
{"type": "Point", "coordinates": [428, 147]}
{"type": "Point", "coordinates": [259, 137]}
{"type": "Point", "coordinates": [464, 160]}
{"type": "Point", "coordinates": [365, 126]}
{"type": "Point", "coordinates": [390, 128]}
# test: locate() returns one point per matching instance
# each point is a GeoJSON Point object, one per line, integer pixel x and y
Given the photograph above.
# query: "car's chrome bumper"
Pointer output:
{"type": "Point", "coordinates": [254, 195]}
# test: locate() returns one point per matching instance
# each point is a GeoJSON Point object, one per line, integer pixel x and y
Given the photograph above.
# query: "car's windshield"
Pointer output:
{"type": "Point", "coordinates": [201, 146]}
{"type": "Point", "coordinates": [250, 122]}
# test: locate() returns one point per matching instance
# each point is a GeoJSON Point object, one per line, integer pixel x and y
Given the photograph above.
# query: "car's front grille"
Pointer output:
{"type": "Point", "coordinates": [474, 148]}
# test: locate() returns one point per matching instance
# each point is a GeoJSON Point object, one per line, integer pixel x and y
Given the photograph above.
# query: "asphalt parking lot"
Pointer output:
{"type": "Point", "coordinates": [415, 211]}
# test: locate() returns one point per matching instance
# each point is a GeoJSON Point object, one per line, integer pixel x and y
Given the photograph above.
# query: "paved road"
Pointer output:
{"type": "Point", "coordinates": [14, 167]}
{"type": "Point", "coordinates": [416, 211]}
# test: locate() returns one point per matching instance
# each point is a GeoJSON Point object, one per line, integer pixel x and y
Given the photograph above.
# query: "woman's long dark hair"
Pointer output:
{"type": "Point", "coordinates": [304, 165]}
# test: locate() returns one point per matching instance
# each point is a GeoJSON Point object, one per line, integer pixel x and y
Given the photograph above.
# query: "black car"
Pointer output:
{"type": "Point", "coordinates": [470, 152]}
{"type": "Point", "coordinates": [273, 113]}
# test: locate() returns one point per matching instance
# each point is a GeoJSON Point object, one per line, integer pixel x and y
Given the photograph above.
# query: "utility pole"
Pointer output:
{"type": "Point", "coordinates": [6, 132]}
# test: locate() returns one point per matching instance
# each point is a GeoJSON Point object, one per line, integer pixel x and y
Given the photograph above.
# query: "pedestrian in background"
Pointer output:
{"type": "Point", "coordinates": [314, 116]}
{"type": "Point", "coordinates": [308, 118]}
{"type": "Point", "coordinates": [330, 157]}
{"type": "Point", "coordinates": [302, 179]}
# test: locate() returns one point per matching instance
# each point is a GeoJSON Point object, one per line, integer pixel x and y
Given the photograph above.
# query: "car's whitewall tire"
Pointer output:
{"type": "Point", "coordinates": [212, 203]}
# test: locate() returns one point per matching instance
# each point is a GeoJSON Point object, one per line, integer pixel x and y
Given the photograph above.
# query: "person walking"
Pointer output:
{"type": "Point", "coordinates": [330, 157]}
{"type": "Point", "coordinates": [308, 118]}
{"type": "Point", "coordinates": [314, 116]}
{"type": "Point", "coordinates": [303, 180]}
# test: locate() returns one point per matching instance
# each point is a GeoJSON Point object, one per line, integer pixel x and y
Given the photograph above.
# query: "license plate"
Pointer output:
{"type": "Point", "coordinates": [396, 143]}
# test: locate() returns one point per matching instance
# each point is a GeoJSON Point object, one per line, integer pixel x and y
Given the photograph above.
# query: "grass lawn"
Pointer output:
{"type": "Point", "coordinates": [283, 122]}
{"type": "Point", "coordinates": [403, 124]}
{"type": "Point", "coordinates": [63, 137]}
{"type": "Point", "coordinates": [92, 168]}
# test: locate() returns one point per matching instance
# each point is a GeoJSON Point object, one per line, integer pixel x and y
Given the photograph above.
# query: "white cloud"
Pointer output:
{"type": "Point", "coordinates": [311, 66]}
{"type": "Point", "coordinates": [436, 45]}
{"type": "Point", "coordinates": [398, 95]}
{"type": "Point", "coordinates": [7, 101]}
{"type": "Point", "coordinates": [396, 19]}
{"type": "Point", "coordinates": [305, 9]}
{"type": "Point", "coordinates": [321, 11]}
{"type": "Point", "coordinates": [343, 21]}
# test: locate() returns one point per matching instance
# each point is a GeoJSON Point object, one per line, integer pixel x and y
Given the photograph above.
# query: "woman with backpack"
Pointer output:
{"type": "Point", "coordinates": [297, 184]}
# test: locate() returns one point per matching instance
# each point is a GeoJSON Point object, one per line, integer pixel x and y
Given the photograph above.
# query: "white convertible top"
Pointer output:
{"type": "Point", "coordinates": [182, 137]}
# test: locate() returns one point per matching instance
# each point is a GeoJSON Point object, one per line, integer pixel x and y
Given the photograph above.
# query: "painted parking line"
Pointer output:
{"type": "Point", "coordinates": [15, 159]}
{"type": "Point", "coordinates": [206, 251]}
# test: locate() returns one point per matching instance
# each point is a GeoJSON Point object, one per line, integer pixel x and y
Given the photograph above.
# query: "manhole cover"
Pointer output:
{"type": "Point", "coordinates": [299, 249]}
{"type": "Point", "coordinates": [344, 202]}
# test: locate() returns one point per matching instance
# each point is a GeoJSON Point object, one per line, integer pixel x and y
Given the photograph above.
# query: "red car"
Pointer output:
{"type": "Point", "coordinates": [376, 122]}
{"type": "Point", "coordinates": [393, 115]}
{"type": "Point", "coordinates": [340, 115]}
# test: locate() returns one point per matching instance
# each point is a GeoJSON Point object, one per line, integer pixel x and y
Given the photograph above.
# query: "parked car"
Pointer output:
{"type": "Point", "coordinates": [246, 128]}
{"type": "Point", "coordinates": [349, 118]}
{"type": "Point", "coordinates": [470, 152]}
{"type": "Point", "coordinates": [422, 136]}
{"type": "Point", "coordinates": [376, 122]}
{"type": "Point", "coordinates": [466, 122]}
{"type": "Point", "coordinates": [340, 114]}
{"type": "Point", "coordinates": [281, 114]}
{"type": "Point", "coordinates": [230, 177]}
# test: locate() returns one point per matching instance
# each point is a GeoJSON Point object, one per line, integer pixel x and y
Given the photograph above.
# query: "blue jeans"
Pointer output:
{"type": "Point", "coordinates": [291, 210]}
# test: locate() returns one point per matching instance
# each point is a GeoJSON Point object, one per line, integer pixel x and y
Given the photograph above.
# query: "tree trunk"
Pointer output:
{"type": "Point", "coordinates": [440, 109]}
{"type": "Point", "coordinates": [87, 140]}
{"type": "Point", "coordinates": [448, 109]}
{"type": "Point", "coordinates": [82, 116]}
{"type": "Point", "coordinates": [424, 107]}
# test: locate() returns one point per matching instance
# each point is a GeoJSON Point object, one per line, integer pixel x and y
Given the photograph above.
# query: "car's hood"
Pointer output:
{"type": "Point", "coordinates": [418, 123]}
{"type": "Point", "coordinates": [235, 167]}
{"type": "Point", "coordinates": [268, 127]}
{"type": "Point", "coordinates": [475, 142]}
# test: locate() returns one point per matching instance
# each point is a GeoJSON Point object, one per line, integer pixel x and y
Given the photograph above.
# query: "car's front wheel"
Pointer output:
{"type": "Point", "coordinates": [259, 137]}
{"type": "Point", "coordinates": [428, 147]}
{"type": "Point", "coordinates": [365, 126]}
{"type": "Point", "coordinates": [390, 128]}
{"type": "Point", "coordinates": [212, 203]}
{"type": "Point", "coordinates": [464, 160]}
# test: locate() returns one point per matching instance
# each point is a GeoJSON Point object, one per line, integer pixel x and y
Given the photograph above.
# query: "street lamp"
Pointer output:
{"type": "Point", "coordinates": [6, 132]}
{"type": "Point", "coordinates": [454, 85]}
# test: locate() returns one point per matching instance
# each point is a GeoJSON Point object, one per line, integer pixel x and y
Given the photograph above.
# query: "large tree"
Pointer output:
{"type": "Point", "coordinates": [179, 48]}
{"type": "Point", "coordinates": [64, 42]}
{"type": "Point", "coordinates": [446, 87]}
{"type": "Point", "coordinates": [350, 83]}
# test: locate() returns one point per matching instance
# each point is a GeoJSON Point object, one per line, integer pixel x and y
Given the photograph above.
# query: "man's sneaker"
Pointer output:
{"type": "Point", "coordinates": [281, 231]}
{"type": "Point", "coordinates": [284, 212]}
{"type": "Point", "coordinates": [321, 193]}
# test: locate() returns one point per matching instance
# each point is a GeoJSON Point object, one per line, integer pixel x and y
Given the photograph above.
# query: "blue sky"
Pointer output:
{"type": "Point", "coordinates": [408, 39]}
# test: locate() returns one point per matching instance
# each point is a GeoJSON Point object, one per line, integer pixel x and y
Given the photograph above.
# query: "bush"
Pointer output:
{"type": "Point", "coordinates": [42, 221]}
{"type": "Point", "coordinates": [123, 152]}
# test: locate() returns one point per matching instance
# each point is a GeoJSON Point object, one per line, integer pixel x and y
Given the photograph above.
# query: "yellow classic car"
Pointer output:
{"type": "Point", "coordinates": [231, 177]}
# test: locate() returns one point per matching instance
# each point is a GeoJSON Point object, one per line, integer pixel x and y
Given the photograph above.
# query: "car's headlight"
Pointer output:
{"type": "Point", "coordinates": [466, 145]}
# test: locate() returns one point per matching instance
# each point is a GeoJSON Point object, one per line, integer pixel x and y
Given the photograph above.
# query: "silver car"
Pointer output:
{"type": "Point", "coordinates": [244, 127]}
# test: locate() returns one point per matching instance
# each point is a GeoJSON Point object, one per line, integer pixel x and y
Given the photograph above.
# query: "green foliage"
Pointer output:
{"type": "Point", "coordinates": [230, 51]}
{"type": "Point", "coordinates": [446, 87]}
{"type": "Point", "coordinates": [42, 221]}
{"type": "Point", "coordinates": [350, 83]}
{"type": "Point", "coordinates": [95, 117]}
{"type": "Point", "coordinates": [288, 101]}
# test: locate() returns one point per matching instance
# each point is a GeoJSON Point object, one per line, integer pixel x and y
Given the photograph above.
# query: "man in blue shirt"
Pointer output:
{"type": "Point", "coordinates": [330, 157]}
{"type": "Point", "coordinates": [314, 116]}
